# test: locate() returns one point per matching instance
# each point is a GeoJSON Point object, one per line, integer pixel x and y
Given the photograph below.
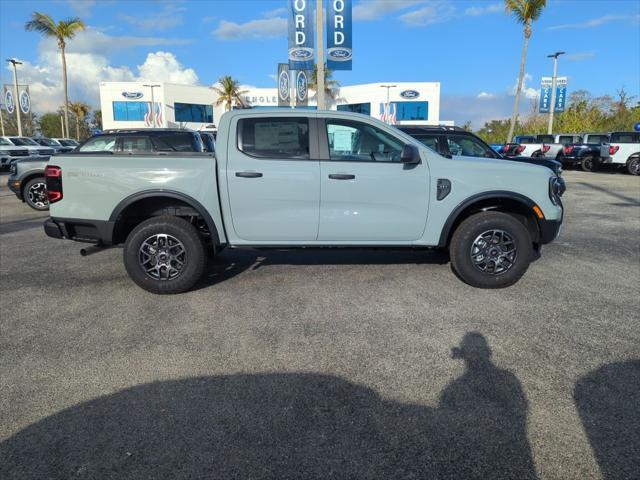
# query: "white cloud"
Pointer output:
{"type": "Point", "coordinates": [170, 16]}
{"type": "Point", "coordinates": [477, 11]}
{"type": "Point", "coordinates": [429, 15]}
{"type": "Point", "coordinates": [86, 70]}
{"type": "Point", "coordinates": [82, 7]}
{"type": "Point", "coordinates": [485, 95]}
{"type": "Point", "coordinates": [596, 22]}
{"type": "Point", "coordinates": [374, 9]}
{"type": "Point", "coordinates": [277, 12]}
{"type": "Point", "coordinates": [527, 92]}
{"type": "Point", "coordinates": [261, 28]}
{"type": "Point", "coordinates": [579, 56]}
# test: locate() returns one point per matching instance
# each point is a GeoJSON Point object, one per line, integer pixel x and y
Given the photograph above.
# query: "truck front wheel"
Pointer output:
{"type": "Point", "coordinates": [165, 254]}
{"type": "Point", "coordinates": [491, 250]}
{"type": "Point", "coordinates": [633, 166]}
{"type": "Point", "coordinates": [590, 164]}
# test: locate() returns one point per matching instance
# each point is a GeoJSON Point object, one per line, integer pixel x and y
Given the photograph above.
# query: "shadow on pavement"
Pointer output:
{"type": "Point", "coordinates": [608, 402]}
{"type": "Point", "coordinates": [283, 426]}
{"type": "Point", "coordinates": [232, 262]}
{"type": "Point", "coordinates": [619, 196]}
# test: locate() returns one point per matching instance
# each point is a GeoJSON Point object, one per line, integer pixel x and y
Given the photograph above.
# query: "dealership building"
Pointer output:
{"type": "Point", "coordinates": [128, 104]}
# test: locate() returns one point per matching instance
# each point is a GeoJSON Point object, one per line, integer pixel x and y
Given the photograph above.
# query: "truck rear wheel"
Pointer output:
{"type": "Point", "coordinates": [633, 166]}
{"type": "Point", "coordinates": [590, 164]}
{"type": "Point", "coordinates": [491, 250]}
{"type": "Point", "coordinates": [165, 255]}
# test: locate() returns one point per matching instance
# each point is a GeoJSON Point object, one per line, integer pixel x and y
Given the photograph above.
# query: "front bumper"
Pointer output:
{"type": "Point", "coordinates": [15, 186]}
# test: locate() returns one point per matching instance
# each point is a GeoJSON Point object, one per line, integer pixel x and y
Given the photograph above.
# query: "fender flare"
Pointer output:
{"type": "Point", "coordinates": [192, 202]}
{"type": "Point", "coordinates": [496, 194]}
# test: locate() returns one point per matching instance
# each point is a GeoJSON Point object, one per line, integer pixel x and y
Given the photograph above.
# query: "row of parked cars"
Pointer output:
{"type": "Point", "coordinates": [588, 150]}
{"type": "Point", "coordinates": [27, 158]}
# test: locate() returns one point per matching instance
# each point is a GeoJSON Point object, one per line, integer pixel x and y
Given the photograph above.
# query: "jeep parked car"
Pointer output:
{"type": "Point", "coordinates": [589, 153]}
{"type": "Point", "coordinates": [147, 140]}
{"type": "Point", "coordinates": [454, 142]}
{"type": "Point", "coordinates": [284, 178]}
{"type": "Point", "coordinates": [33, 147]}
{"type": "Point", "coordinates": [624, 150]}
{"type": "Point", "coordinates": [10, 153]}
{"type": "Point", "coordinates": [26, 180]}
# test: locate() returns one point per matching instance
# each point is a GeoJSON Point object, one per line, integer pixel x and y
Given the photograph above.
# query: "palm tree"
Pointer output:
{"type": "Point", "coordinates": [331, 86]}
{"type": "Point", "coordinates": [62, 31]}
{"type": "Point", "coordinates": [80, 110]}
{"type": "Point", "coordinates": [525, 12]}
{"type": "Point", "coordinates": [228, 92]}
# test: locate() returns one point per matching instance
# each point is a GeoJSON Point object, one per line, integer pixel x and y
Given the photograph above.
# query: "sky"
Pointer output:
{"type": "Point", "coordinates": [472, 47]}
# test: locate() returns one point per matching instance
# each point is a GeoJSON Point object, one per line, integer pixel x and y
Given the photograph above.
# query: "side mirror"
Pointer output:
{"type": "Point", "coordinates": [410, 154]}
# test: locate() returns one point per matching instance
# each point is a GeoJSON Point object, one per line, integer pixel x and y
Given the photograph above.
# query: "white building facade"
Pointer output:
{"type": "Point", "coordinates": [128, 104]}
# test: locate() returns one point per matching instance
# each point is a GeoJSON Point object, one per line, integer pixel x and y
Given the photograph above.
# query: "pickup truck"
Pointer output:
{"type": "Point", "coordinates": [624, 151]}
{"type": "Point", "coordinates": [548, 146]}
{"type": "Point", "coordinates": [304, 179]}
{"type": "Point", "coordinates": [589, 153]}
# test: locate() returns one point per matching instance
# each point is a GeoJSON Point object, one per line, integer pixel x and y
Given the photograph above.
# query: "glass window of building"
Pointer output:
{"type": "Point", "coordinates": [191, 112]}
{"type": "Point", "coordinates": [412, 110]}
{"type": "Point", "coordinates": [129, 111]}
{"type": "Point", "coordinates": [364, 108]}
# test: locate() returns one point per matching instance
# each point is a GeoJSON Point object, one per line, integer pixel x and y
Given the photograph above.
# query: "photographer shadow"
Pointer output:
{"type": "Point", "coordinates": [284, 426]}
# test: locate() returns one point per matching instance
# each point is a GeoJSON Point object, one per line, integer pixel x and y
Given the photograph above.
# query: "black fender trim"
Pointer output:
{"type": "Point", "coordinates": [192, 202]}
{"type": "Point", "coordinates": [496, 194]}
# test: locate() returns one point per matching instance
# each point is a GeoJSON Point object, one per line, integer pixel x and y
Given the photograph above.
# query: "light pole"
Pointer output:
{"type": "Point", "coordinates": [153, 103]}
{"type": "Point", "coordinates": [320, 64]}
{"type": "Point", "coordinates": [1, 119]}
{"type": "Point", "coordinates": [386, 106]}
{"type": "Point", "coordinates": [16, 100]}
{"type": "Point", "coordinates": [553, 89]}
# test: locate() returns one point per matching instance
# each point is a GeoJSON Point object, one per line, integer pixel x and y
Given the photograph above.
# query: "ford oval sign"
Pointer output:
{"type": "Point", "coordinates": [637, 127]}
{"type": "Point", "coordinates": [301, 54]}
{"type": "Point", "coordinates": [339, 54]}
{"type": "Point", "coordinates": [283, 85]}
{"type": "Point", "coordinates": [301, 86]}
{"type": "Point", "coordinates": [410, 94]}
{"type": "Point", "coordinates": [132, 95]}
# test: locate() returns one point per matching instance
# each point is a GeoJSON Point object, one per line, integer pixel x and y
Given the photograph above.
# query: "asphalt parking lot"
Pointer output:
{"type": "Point", "coordinates": [326, 363]}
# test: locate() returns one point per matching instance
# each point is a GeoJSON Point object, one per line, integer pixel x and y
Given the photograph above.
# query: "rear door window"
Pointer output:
{"type": "Point", "coordinates": [277, 138]}
{"type": "Point", "coordinates": [468, 146]}
{"type": "Point", "coordinates": [431, 141]}
{"type": "Point", "coordinates": [598, 139]}
{"type": "Point", "coordinates": [136, 145]}
{"type": "Point", "coordinates": [101, 144]}
{"type": "Point", "coordinates": [624, 137]}
{"type": "Point", "coordinates": [177, 142]}
{"type": "Point", "coordinates": [546, 139]}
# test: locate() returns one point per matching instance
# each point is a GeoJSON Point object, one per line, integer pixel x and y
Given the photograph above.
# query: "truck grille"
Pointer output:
{"type": "Point", "coordinates": [18, 153]}
{"type": "Point", "coordinates": [46, 151]}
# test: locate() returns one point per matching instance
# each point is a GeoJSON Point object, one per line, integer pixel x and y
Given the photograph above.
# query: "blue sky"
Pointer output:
{"type": "Point", "coordinates": [471, 46]}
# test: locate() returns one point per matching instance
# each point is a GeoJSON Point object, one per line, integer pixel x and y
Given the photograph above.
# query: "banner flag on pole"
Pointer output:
{"type": "Point", "coordinates": [301, 35]}
{"type": "Point", "coordinates": [284, 84]}
{"type": "Point", "coordinates": [561, 94]}
{"type": "Point", "coordinates": [339, 35]}
{"type": "Point", "coordinates": [545, 95]}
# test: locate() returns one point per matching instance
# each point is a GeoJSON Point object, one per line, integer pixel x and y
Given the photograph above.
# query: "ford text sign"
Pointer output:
{"type": "Point", "coordinates": [410, 94]}
{"type": "Point", "coordinates": [132, 95]}
{"type": "Point", "coordinates": [339, 37]}
{"type": "Point", "coordinates": [301, 23]}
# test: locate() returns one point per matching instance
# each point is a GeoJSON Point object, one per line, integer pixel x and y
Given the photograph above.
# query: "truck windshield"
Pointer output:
{"type": "Point", "coordinates": [4, 141]}
{"type": "Point", "coordinates": [23, 141]}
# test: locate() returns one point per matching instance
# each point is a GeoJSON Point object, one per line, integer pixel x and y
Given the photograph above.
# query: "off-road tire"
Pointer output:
{"type": "Point", "coordinates": [466, 235]}
{"type": "Point", "coordinates": [189, 238]}
{"type": "Point", "coordinates": [590, 164]}
{"type": "Point", "coordinates": [41, 204]}
{"type": "Point", "coordinates": [633, 166]}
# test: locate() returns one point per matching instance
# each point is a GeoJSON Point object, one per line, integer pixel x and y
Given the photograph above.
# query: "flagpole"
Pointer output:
{"type": "Point", "coordinates": [320, 61]}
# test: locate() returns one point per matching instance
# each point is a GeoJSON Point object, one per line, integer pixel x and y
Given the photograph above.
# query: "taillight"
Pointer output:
{"type": "Point", "coordinates": [568, 149]}
{"type": "Point", "coordinates": [53, 178]}
{"type": "Point", "coordinates": [520, 149]}
{"type": "Point", "coordinates": [613, 149]}
{"type": "Point", "coordinates": [545, 148]}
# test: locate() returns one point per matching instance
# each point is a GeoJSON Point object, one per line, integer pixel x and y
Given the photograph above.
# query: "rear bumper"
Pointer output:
{"type": "Point", "coordinates": [90, 231]}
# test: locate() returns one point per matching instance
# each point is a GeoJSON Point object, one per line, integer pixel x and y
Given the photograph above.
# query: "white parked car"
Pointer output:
{"type": "Point", "coordinates": [624, 149]}
{"type": "Point", "coordinates": [31, 145]}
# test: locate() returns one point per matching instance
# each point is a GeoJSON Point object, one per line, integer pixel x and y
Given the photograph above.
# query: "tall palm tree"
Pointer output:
{"type": "Point", "coordinates": [62, 31]}
{"type": "Point", "coordinates": [331, 86]}
{"type": "Point", "coordinates": [228, 92]}
{"type": "Point", "coordinates": [80, 110]}
{"type": "Point", "coordinates": [525, 12]}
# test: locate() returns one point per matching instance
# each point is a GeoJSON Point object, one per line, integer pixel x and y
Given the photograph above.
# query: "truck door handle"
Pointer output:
{"type": "Point", "coordinates": [248, 174]}
{"type": "Point", "coordinates": [341, 176]}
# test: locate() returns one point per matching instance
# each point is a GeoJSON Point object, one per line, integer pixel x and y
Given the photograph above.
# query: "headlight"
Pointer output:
{"type": "Point", "coordinates": [557, 187]}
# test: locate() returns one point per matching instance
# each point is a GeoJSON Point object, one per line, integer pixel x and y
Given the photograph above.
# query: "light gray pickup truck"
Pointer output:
{"type": "Point", "coordinates": [304, 179]}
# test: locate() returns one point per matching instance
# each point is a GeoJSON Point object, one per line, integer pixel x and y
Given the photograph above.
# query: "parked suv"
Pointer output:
{"type": "Point", "coordinates": [33, 147]}
{"type": "Point", "coordinates": [455, 142]}
{"type": "Point", "coordinates": [55, 144]}
{"type": "Point", "coordinates": [156, 140]}
{"type": "Point", "coordinates": [624, 149]}
{"type": "Point", "coordinates": [286, 178]}
{"type": "Point", "coordinates": [26, 180]}
{"type": "Point", "coordinates": [10, 153]}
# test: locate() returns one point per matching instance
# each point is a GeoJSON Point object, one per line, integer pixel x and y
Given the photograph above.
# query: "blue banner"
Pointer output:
{"type": "Point", "coordinates": [561, 94]}
{"type": "Point", "coordinates": [339, 36]}
{"type": "Point", "coordinates": [301, 21]}
{"type": "Point", "coordinates": [545, 95]}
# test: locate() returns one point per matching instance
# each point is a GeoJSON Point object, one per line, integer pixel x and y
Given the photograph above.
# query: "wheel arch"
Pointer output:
{"type": "Point", "coordinates": [502, 201]}
{"type": "Point", "coordinates": [27, 178]}
{"type": "Point", "coordinates": [155, 202]}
